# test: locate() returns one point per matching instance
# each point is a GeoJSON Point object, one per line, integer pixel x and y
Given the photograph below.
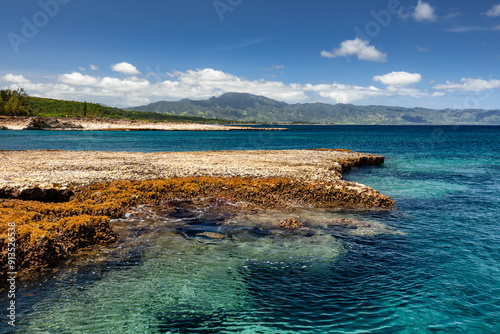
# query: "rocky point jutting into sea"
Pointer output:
{"type": "Point", "coordinates": [63, 201]}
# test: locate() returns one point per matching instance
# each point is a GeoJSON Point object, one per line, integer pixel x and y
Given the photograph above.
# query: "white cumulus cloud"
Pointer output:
{"type": "Point", "coordinates": [494, 11]}
{"type": "Point", "coordinates": [77, 78]}
{"type": "Point", "coordinates": [469, 85]}
{"type": "Point", "coordinates": [124, 85]}
{"type": "Point", "coordinates": [398, 78]}
{"type": "Point", "coordinates": [94, 67]}
{"type": "Point", "coordinates": [125, 68]}
{"type": "Point", "coordinates": [15, 78]}
{"type": "Point", "coordinates": [424, 12]}
{"type": "Point", "coordinates": [341, 93]}
{"type": "Point", "coordinates": [356, 47]}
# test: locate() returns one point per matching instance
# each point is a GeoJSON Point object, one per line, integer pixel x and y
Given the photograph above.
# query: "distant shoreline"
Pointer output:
{"type": "Point", "coordinates": [105, 124]}
{"type": "Point", "coordinates": [19, 123]}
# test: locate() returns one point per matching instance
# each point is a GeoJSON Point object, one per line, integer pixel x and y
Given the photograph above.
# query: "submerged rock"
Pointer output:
{"type": "Point", "coordinates": [346, 223]}
{"type": "Point", "coordinates": [347, 226]}
{"type": "Point", "coordinates": [290, 223]}
{"type": "Point", "coordinates": [212, 235]}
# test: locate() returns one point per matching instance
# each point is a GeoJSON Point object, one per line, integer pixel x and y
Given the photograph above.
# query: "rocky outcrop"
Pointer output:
{"type": "Point", "coordinates": [61, 202]}
{"type": "Point", "coordinates": [37, 194]}
{"type": "Point", "coordinates": [50, 247]}
{"type": "Point", "coordinates": [51, 123]}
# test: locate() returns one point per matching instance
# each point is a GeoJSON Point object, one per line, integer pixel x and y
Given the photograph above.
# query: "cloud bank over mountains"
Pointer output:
{"type": "Point", "coordinates": [136, 88]}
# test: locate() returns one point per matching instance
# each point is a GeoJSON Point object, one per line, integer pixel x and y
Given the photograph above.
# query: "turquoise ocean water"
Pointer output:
{"type": "Point", "coordinates": [431, 265]}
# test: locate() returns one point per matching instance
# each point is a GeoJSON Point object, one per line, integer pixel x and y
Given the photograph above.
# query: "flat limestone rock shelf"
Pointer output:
{"type": "Point", "coordinates": [44, 169]}
{"type": "Point", "coordinates": [62, 201]}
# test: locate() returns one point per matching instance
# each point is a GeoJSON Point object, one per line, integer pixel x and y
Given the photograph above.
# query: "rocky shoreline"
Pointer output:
{"type": "Point", "coordinates": [107, 124]}
{"type": "Point", "coordinates": [63, 201]}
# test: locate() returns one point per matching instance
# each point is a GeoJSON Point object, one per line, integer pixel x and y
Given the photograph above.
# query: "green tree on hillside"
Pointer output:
{"type": "Point", "coordinates": [14, 103]}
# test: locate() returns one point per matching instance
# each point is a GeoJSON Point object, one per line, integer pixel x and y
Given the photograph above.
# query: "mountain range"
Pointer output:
{"type": "Point", "coordinates": [254, 108]}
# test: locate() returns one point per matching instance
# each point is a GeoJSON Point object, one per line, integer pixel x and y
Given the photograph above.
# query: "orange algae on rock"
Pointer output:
{"type": "Point", "coordinates": [47, 233]}
{"type": "Point", "coordinates": [50, 232]}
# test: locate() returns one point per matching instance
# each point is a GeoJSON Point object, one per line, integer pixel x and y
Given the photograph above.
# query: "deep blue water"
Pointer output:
{"type": "Point", "coordinates": [436, 271]}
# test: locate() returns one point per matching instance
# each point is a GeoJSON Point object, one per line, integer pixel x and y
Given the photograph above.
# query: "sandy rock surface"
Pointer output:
{"type": "Point", "coordinates": [47, 169]}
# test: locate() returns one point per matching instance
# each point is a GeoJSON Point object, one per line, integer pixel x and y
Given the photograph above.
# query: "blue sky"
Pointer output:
{"type": "Point", "coordinates": [412, 53]}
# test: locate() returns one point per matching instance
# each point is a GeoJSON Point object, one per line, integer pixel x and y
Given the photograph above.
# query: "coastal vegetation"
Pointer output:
{"type": "Point", "coordinates": [19, 103]}
{"type": "Point", "coordinates": [15, 103]}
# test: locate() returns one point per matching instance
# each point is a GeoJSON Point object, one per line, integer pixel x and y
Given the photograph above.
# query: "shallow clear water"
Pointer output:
{"type": "Point", "coordinates": [432, 265]}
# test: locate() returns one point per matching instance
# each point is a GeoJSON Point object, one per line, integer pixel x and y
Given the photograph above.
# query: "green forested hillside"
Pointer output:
{"type": "Point", "coordinates": [252, 108]}
{"type": "Point", "coordinates": [18, 103]}
{"type": "Point", "coordinates": [61, 108]}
